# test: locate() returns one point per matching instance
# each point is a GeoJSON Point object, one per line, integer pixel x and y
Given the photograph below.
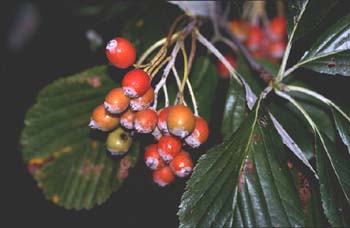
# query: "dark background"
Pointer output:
{"type": "Point", "coordinates": [58, 47]}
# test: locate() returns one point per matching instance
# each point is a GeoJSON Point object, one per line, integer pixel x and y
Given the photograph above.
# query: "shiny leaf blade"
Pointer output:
{"type": "Point", "coordinates": [217, 194]}
{"type": "Point", "coordinates": [334, 203]}
{"type": "Point", "coordinates": [331, 52]}
{"type": "Point", "coordinates": [68, 160]}
{"type": "Point", "coordinates": [343, 127]}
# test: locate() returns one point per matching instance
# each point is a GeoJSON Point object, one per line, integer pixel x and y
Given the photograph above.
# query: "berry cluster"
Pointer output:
{"type": "Point", "coordinates": [265, 41]}
{"type": "Point", "coordinates": [127, 110]}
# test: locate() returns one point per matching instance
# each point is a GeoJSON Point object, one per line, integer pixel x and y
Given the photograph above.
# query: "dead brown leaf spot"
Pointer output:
{"type": "Point", "coordinates": [241, 181]}
{"type": "Point", "coordinates": [256, 138]}
{"type": "Point", "coordinates": [55, 199]}
{"type": "Point", "coordinates": [124, 165]}
{"type": "Point", "coordinates": [304, 191]}
{"type": "Point", "coordinates": [332, 62]}
{"type": "Point", "coordinates": [290, 164]}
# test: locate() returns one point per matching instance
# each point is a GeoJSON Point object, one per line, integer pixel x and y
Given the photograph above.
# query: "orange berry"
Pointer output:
{"type": "Point", "coordinates": [143, 102]}
{"type": "Point", "coordinates": [169, 147]}
{"type": "Point", "coordinates": [199, 135]}
{"type": "Point", "coordinates": [254, 39]}
{"type": "Point", "coordinates": [277, 28]}
{"type": "Point", "coordinates": [240, 28]}
{"type": "Point", "coordinates": [180, 121]}
{"type": "Point", "coordinates": [102, 120]}
{"type": "Point", "coordinates": [136, 83]}
{"type": "Point", "coordinates": [120, 52]}
{"type": "Point", "coordinates": [152, 157]}
{"type": "Point", "coordinates": [145, 121]}
{"type": "Point", "coordinates": [182, 164]}
{"type": "Point", "coordinates": [163, 176]}
{"type": "Point", "coordinates": [127, 119]}
{"type": "Point", "coordinates": [162, 118]}
{"type": "Point", "coordinates": [116, 102]}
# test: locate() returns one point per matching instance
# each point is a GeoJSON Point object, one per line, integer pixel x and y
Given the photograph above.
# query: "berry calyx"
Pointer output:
{"type": "Point", "coordinates": [127, 119]}
{"type": "Point", "coordinates": [118, 141]}
{"type": "Point", "coordinates": [152, 157]}
{"type": "Point", "coordinates": [222, 69]}
{"type": "Point", "coordinates": [199, 135]}
{"type": "Point", "coordinates": [254, 39]}
{"type": "Point", "coordinates": [143, 102]}
{"type": "Point", "coordinates": [116, 102]}
{"type": "Point", "coordinates": [162, 118]}
{"type": "Point", "coordinates": [182, 164]}
{"type": "Point", "coordinates": [120, 52]}
{"type": "Point", "coordinates": [136, 83]}
{"type": "Point", "coordinates": [163, 176]}
{"type": "Point", "coordinates": [145, 121]}
{"type": "Point", "coordinates": [277, 28]}
{"type": "Point", "coordinates": [169, 147]}
{"type": "Point", "coordinates": [157, 134]}
{"type": "Point", "coordinates": [102, 120]}
{"type": "Point", "coordinates": [180, 121]}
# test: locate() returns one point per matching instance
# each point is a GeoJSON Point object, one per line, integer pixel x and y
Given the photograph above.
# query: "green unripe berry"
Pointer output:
{"type": "Point", "coordinates": [118, 141]}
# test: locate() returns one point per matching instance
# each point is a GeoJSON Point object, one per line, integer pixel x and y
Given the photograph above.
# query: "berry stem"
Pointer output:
{"type": "Point", "coordinates": [193, 97]}
{"type": "Point", "coordinates": [178, 82]}
{"type": "Point", "coordinates": [185, 77]}
{"type": "Point", "coordinates": [166, 95]}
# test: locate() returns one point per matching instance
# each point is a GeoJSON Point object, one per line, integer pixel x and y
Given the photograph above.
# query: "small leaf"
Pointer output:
{"type": "Point", "coordinates": [197, 8]}
{"type": "Point", "coordinates": [235, 108]}
{"type": "Point", "coordinates": [331, 52]}
{"type": "Point", "coordinates": [214, 194]}
{"type": "Point", "coordinates": [343, 127]}
{"type": "Point", "coordinates": [69, 161]}
{"type": "Point", "coordinates": [335, 205]}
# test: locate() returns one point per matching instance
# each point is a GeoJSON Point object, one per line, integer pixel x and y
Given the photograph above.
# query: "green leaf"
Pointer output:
{"type": "Point", "coordinates": [67, 159]}
{"type": "Point", "coordinates": [306, 15]}
{"type": "Point", "coordinates": [235, 108]}
{"type": "Point", "coordinates": [330, 54]}
{"type": "Point", "coordinates": [332, 164]}
{"type": "Point", "coordinates": [343, 127]}
{"type": "Point", "coordinates": [214, 195]}
{"type": "Point", "coordinates": [204, 80]}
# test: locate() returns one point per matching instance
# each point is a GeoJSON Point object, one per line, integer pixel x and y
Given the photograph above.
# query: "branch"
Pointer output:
{"type": "Point", "coordinates": [263, 73]}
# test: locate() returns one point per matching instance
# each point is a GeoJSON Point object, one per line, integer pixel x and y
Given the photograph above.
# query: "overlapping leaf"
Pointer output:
{"type": "Point", "coordinates": [330, 54]}
{"type": "Point", "coordinates": [68, 160]}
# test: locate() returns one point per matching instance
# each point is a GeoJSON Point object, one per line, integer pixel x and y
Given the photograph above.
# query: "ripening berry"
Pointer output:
{"type": "Point", "coordinates": [145, 121]}
{"type": "Point", "coordinates": [127, 119]}
{"type": "Point", "coordinates": [276, 49]}
{"type": "Point", "coordinates": [116, 102]}
{"type": "Point", "coordinates": [199, 135]}
{"type": "Point", "coordinates": [180, 121]}
{"type": "Point", "coordinates": [222, 69]}
{"type": "Point", "coordinates": [143, 102]}
{"type": "Point", "coordinates": [102, 120]}
{"type": "Point", "coordinates": [118, 141]}
{"type": "Point", "coordinates": [162, 117]}
{"type": "Point", "coordinates": [120, 52]}
{"type": "Point", "coordinates": [169, 147]}
{"type": "Point", "coordinates": [136, 83]}
{"type": "Point", "coordinates": [152, 157]}
{"type": "Point", "coordinates": [254, 39]}
{"type": "Point", "coordinates": [240, 28]}
{"type": "Point", "coordinates": [182, 164]}
{"type": "Point", "coordinates": [277, 28]}
{"type": "Point", "coordinates": [163, 176]}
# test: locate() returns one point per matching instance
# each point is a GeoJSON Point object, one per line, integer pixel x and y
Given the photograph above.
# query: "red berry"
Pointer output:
{"type": "Point", "coordinates": [136, 83]}
{"type": "Point", "coordinates": [103, 120]}
{"type": "Point", "coordinates": [180, 121]}
{"type": "Point", "coordinates": [120, 52]}
{"type": "Point", "coordinates": [221, 68]}
{"type": "Point", "coordinates": [152, 157]}
{"type": "Point", "coordinates": [163, 176]}
{"type": "Point", "coordinates": [145, 121]}
{"type": "Point", "coordinates": [276, 49]}
{"type": "Point", "coordinates": [182, 164]}
{"type": "Point", "coordinates": [277, 28]}
{"type": "Point", "coordinates": [169, 147]}
{"type": "Point", "coordinates": [240, 28]}
{"type": "Point", "coordinates": [116, 102]}
{"type": "Point", "coordinates": [127, 119]}
{"type": "Point", "coordinates": [199, 135]}
{"type": "Point", "coordinates": [143, 102]}
{"type": "Point", "coordinates": [254, 39]}
{"type": "Point", "coordinates": [162, 117]}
